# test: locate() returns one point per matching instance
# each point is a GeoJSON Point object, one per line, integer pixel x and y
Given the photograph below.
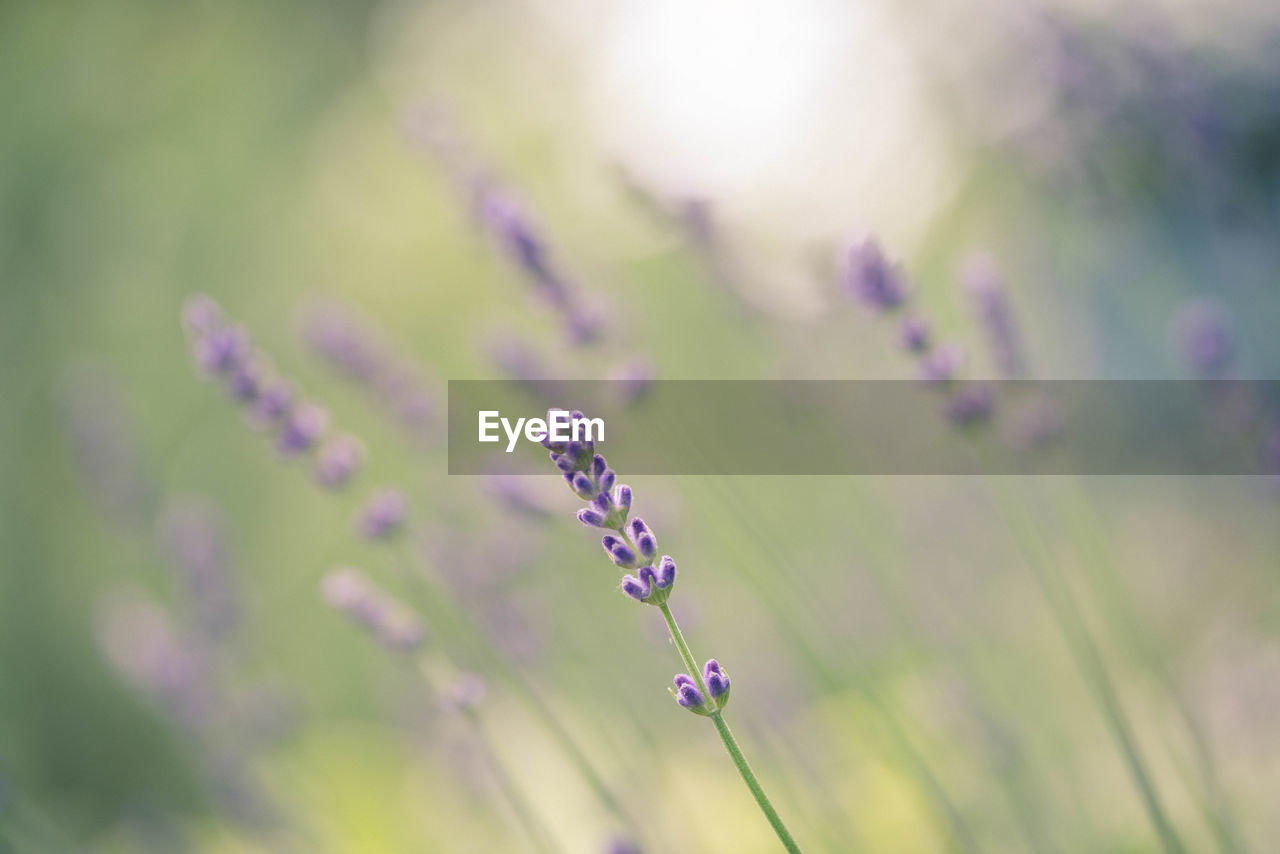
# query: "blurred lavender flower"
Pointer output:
{"type": "Point", "coordinates": [352, 593]}
{"type": "Point", "coordinates": [941, 365]}
{"type": "Point", "coordinates": [191, 534]}
{"type": "Point", "coordinates": [338, 461]}
{"type": "Point", "coordinates": [268, 399]}
{"type": "Point", "coordinates": [465, 693]}
{"type": "Point", "coordinates": [103, 445]}
{"type": "Point", "coordinates": [143, 645]}
{"type": "Point", "coordinates": [982, 279]}
{"type": "Point", "coordinates": [352, 347]}
{"type": "Point", "coordinates": [1205, 338]}
{"type": "Point", "coordinates": [869, 277]}
{"type": "Point", "coordinates": [383, 514]}
{"type": "Point", "coordinates": [503, 218]}
{"type": "Point", "coordinates": [914, 334]}
{"type": "Point", "coordinates": [970, 404]}
{"type": "Point", "coordinates": [302, 428]}
{"type": "Point", "coordinates": [634, 378]}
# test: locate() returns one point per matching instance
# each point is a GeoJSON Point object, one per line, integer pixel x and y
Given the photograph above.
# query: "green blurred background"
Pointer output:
{"type": "Point", "coordinates": [901, 679]}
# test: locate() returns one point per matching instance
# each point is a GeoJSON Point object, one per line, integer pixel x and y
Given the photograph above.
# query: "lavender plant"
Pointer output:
{"type": "Point", "coordinates": [872, 280]}
{"type": "Point", "coordinates": [224, 353]}
{"type": "Point", "coordinates": [633, 545]}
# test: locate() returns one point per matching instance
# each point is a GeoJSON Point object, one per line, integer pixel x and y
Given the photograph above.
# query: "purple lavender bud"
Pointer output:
{"type": "Point", "coordinates": [666, 574]}
{"type": "Point", "coordinates": [200, 315]}
{"type": "Point", "coordinates": [870, 279]}
{"type": "Point", "coordinates": [970, 404]}
{"type": "Point", "coordinates": [941, 366]}
{"type": "Point", "coordinates": [222, 347]}
{"type": "Point", "coordinates": [636, 588]}
{"type": "Point", "coordinates": [687, 693]}
{"type": "Point", "coordinates": [983, 281]}
{"type": "Point", "coordinates": [598, 466]}
{"type": "Point", "coordinates": [466, 692]}
{"type": "Point", "coordinates": [563, 462]}
{"type": "Point", "coordinates": [914, 334]}
{"type": "Point", "coordinates": [646, 542]}
{"type": "Point", "coordinates": [622, 497]}
{"type": "Point", "coordinates": [338, 461]}
{"type": "Point", "coordinates": [245, 379]}
{"type": "Point", "coordinates": [583, 486]}
{"type": "Point", "coordinates": [1205, 338]}
{"type": "Point", "coordinates": [302, 428]}
{"type": "Point", "coordinates": [683, 679]}
{"type": "Point", "coordinates": [716, 679]}
{"type": "Point", "coordinates": [383, 514]}
{"type": "Point", "coordinates": [607, 479]}
{"type": "Point", "coordinates": [273, 400]}
{"type": "Point", "coordinates": [603, 502]}
{"type": "Point", "coordinates": [591, 518]}
{"type": "Point", "coordinates": [623, 555]}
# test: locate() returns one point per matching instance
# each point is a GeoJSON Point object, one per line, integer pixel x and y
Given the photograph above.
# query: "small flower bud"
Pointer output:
{"type": "Point", "coordinates": [606, 480]}
{"type": "Point", "coordinates": [717, 682]}
{"type": "Point", "coordinates": [622, 497]}
{"type": "Point", "coordinates": [590, 518]}
{"type": "Point", "coordinates": [646, 542]}
{"type": "Point", "coordinates": [603, 503]}
{"type": "Point", "coordinates": [583, 486]}
{"type": "Point", "coordinates": [666, 574]}
{"type": "Point", "coordinates": [635, 588]}
{"type": "Point", "coordinates": [618, 550]}
{"type": "Point", "coordinates": [598, 466]}
{"type": "Point", "coordinates": [687, 694]}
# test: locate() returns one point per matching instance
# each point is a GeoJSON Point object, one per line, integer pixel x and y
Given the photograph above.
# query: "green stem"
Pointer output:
{"type": "Point", "coordinates": [539, 837]}
{"type": "Point", "coordinates": [726, 735]}
{"type": "Point", "coordinates": [1085, 651]}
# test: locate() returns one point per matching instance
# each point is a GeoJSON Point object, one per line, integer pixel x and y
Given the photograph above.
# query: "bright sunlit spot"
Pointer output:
{"type": "Point", "coordinates": [802, 116]}
{"type": "Point", "coordinates": [720, 88]}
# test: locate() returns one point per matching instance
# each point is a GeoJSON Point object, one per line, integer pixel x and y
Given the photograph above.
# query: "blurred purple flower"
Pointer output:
{"type": "Point", "coordinates": [982, 279]}
{"type": "Point", "coordinates": [383, 514]}
{"type": "Point", "coordinates": [302, 428]}
{"type": "Point", "coordinates": [352, 593]}
{"type": "Point", "coordinates": [338, 461]}
{"type": "Point", "coordinates": [191, 534]}
{"type": "Point", "coordinates": [870, 278]}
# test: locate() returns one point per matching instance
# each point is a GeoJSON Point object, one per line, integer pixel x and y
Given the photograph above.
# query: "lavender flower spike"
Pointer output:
{"type": "Point", "coordinates": [983, 281]}
{"type": "Point", "coordinates": [652, 586]}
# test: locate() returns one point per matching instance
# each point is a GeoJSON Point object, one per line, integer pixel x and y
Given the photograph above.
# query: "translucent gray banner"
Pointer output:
{"type": "Point", "coordinates": [1139, 427]}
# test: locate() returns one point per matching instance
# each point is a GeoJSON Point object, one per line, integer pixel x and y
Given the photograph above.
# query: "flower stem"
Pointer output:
{"type": "Point", "coordinates": [726, 735]}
